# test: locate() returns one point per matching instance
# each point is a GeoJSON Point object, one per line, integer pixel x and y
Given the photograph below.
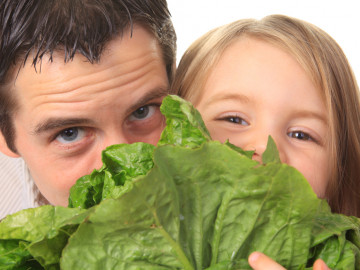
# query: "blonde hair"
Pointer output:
{"type": "Point", "coordinates": [327, 66]}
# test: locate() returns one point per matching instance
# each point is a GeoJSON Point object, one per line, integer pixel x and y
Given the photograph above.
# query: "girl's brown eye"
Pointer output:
{"type": "Point", "coordinates": [300, 136]}
{"type": "Point", "coordinates": [237, 120]}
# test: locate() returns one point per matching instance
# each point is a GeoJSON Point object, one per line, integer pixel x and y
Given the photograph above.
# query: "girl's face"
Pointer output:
{"type": "Point", "coordinates": [257, 90]}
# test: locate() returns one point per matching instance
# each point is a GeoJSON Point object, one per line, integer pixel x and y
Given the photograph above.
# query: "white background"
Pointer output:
{"type": "Point", "coordinates": [340, 19]}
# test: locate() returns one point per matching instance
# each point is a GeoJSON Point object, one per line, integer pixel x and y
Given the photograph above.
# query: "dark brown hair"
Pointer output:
{"type": "Point", "coordinates": [40, 27]}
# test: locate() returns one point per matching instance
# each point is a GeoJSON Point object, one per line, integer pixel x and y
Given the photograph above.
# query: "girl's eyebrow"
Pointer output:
{"type": "Point", "coordinates": [227, 96]}
{"type": "Point", "coordinates": [311, 114]}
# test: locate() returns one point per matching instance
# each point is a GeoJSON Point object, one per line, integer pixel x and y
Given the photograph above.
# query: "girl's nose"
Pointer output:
{"type": "Point", "coordinates": [258, 143]}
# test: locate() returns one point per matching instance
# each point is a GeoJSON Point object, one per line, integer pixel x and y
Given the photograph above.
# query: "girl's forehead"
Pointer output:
{"type": "Point", "coordinates": [258, 68]}
{"type": "Point", "coordinates": [310, 64]}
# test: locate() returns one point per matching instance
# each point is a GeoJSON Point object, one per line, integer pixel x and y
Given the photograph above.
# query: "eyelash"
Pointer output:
{"type": "Point", "coordinates": [84, 133]}
{"type": "Point", "coordinates": [157, 105]}
{"type": "Point", "coordinates": [307, 136]}
{"type": "Point", "coordinates": [78, 131]}
{"type": "Point", "coordinates": [292, 134]}
{"type": "Point", "coordinates": [228, 118]}
{"type": "Point", "coordinates": [86, 130]}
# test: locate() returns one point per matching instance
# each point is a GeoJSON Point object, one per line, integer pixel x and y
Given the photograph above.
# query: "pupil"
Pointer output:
{"type": "Point", "coordinates": [141, 112]}
{"type": "Point", "coordinates": [235, 120]}
{"type": "Point", "coordinates": [301, 136]}
{"type": "Point", "coordinates": [69, 134]}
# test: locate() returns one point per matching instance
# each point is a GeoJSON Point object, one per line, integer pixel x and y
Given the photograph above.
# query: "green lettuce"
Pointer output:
{"type": "Point", "coordinates": [187, 203]}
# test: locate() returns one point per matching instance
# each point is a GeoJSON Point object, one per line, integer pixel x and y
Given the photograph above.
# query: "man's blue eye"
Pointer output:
{"type": "Point", "coordinates": [70, 135]}
{"type": "Point", "coordinates": [141, 113]}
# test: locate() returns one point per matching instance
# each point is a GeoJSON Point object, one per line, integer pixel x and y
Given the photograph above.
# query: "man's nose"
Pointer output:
{"type": "Point", "coordinates": [115, 137]}
{"type": "Point", "coordinates": [108, 140]}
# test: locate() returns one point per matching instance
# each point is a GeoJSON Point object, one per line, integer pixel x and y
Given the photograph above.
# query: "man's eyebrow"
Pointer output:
{"type": "Point", "coordinates": [153, 94]}
{"type": "Point", "coordinates": [57, 123]}
{"type": "Point", "coordinates": [60, 123]}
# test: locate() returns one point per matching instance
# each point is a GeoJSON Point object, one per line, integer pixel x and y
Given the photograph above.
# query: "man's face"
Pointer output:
{"type": "Point", "coordinates": [69, 112]}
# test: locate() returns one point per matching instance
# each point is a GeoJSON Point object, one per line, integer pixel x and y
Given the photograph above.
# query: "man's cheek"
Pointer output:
{"type": "Point", "coordinates": [52, 180]}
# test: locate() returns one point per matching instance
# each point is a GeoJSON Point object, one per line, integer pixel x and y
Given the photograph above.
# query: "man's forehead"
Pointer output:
{"type": "Point", "coordinates": [129, 65]}
{"type": "Point", "coordinates": [128, 41]}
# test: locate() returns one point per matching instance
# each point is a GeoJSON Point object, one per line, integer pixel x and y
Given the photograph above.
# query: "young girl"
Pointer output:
{"type": "Point", "coordinates": [283, 77]}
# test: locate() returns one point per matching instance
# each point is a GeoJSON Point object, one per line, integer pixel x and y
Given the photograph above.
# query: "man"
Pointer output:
{"type": "Point", "coordinates": [75, 77]}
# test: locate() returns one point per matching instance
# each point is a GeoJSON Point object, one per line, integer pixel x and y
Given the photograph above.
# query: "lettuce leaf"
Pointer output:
{"type": "Point", "coordinates": [188, 203]}
{"type": "Point", "coordinates": [121, 163]}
